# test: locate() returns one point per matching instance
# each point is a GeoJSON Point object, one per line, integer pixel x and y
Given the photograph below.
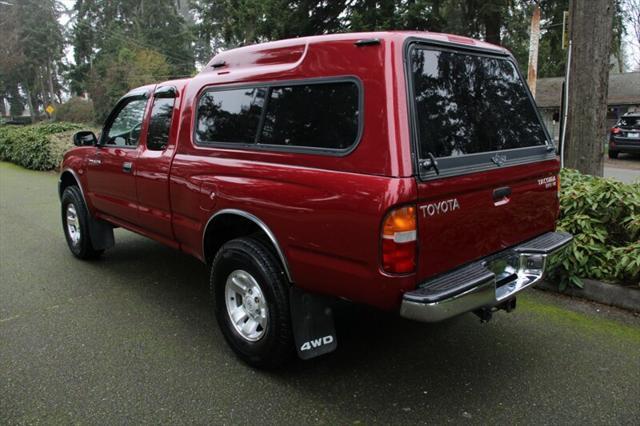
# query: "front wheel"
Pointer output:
{"type": "Point", "coordinates": [251, 296]}
{"type": "Point", "coordinates": [75, 223]}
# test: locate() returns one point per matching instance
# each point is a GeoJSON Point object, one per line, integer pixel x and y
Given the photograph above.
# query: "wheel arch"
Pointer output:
{"type": "Point", "coordinates": [69, 178]}
{"type": "Point", "coordinates": [226, 224]}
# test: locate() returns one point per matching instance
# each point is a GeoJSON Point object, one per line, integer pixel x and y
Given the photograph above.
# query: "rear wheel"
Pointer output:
{"type": "Point", "coordinates": [613, 154]}
{"type": "Point", "coordinates": [75, 223]}
{"type": "Point", "coordinates": [251, 298]}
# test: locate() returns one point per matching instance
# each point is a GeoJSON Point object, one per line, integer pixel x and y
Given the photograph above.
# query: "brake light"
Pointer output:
{"type": "Point", "coordinates": [615, 130]}
{"type": "Point", "coordinates": [399, 239]}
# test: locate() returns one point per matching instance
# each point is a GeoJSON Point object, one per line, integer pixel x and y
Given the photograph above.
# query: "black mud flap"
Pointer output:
{"type": "Point", "coordinates": [101, 234]}
{"type": "Point", "coordinates": [313, 328]}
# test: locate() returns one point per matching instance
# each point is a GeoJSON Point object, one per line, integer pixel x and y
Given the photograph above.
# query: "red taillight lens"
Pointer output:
{"type": "Point", "coordinates": [399, 239]}
{"type": "Point", "coordinates": [615, 130]}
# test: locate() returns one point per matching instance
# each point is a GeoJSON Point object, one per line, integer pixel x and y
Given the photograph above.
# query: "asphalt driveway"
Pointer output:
{"type": "Point", "coordinates": [131, 338]}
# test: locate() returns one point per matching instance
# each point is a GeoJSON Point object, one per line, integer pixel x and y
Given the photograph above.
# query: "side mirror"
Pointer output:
{"type": "Point", "coordinates": [85, 138]}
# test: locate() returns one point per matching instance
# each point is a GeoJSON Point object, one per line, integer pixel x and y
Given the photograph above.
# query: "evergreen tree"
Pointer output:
{"type": "Point", "coordinates": [104, 27]}
{"type": "Point", "coordinates": [32, 52]}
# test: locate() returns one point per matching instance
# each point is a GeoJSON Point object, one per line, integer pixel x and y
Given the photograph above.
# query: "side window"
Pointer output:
{"type": "Point", "coordinates": [160, 124]}
{"type": "Point", "coordinates": [229, 115]}
{"type": "Point", "coordinates": [322, 115]}
{"type": "Point", "coordinates": [124, 129]}
{"type": "Point", "coordinates": [314, 115]}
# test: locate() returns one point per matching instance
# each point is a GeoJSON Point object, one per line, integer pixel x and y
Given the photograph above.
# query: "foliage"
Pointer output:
{"type": "Point", "coordinates": [105, 30]}
{"type": "Point", "coordinates": [33, 146]}
{"type": "Point", "coordinates": [604, 217]}
{"type": "Point", "coordinates": [76, 110]}
{"type": "Point", "coordinates": [31, 54]}
{"type": "Point", "coordinates": [231, 23]}
{"type": "Point", "coordinates": [113, 76]}
{"type": "Point", "coordinates": [631, 23]}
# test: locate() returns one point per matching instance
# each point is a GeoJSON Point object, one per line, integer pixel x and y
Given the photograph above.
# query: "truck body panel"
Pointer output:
{"type": "Point", "coordinates": [325, 210]}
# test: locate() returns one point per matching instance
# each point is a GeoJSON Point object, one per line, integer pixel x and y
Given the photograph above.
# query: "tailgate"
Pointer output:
{"type": "Point", "coordinates": [465, 218]}
{"type": "Point", "coordinates": [486, 167]}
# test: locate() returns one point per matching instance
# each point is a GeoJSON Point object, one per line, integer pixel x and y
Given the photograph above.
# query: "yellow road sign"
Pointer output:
{"type": "Point", "coordinates": [50, 109]}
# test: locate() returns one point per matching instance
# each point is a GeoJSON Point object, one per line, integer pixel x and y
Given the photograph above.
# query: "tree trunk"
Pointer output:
{"type": "Point", "coordinates": [590, 26]}
{"type": "Point", "coordinates": [534, 41]}
{"type": "Point", "coordinates": [436, 5]}
{"type": "Point", "coordinates": [52, 92]}
{"type": "Point", "coordinates": [492, 25]}
{"type": "Point", "coordinates": [27, 92]}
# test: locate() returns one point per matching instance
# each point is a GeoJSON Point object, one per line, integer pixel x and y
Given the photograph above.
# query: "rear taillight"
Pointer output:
{"type": "Point", "coordinates": [615, 130]}
{"type": "Point", "coordinates": [399, 239]}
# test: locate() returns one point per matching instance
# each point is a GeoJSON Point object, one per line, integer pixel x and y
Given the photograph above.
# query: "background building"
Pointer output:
{"type": "Point", "coordinates": [623, 96]}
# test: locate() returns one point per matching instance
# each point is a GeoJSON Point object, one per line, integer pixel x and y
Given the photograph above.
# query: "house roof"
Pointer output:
{"type": "Point", "coordinates": [624, 89]}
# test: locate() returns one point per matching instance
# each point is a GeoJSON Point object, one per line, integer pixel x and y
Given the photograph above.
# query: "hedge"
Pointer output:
{"type": "Point", "coordinates": [76, 110]}
{"type": "Point", "coordinates": [36, 147]}
{"type": "Point", "coordinates": [604, 217]}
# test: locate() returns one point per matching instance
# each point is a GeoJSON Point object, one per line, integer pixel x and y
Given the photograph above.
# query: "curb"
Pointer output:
{"type": "Point", "coordinates": [597, 291]}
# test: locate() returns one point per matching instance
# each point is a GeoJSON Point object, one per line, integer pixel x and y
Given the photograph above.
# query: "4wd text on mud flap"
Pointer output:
{"type": "Point", "coordinates": [316, 343]}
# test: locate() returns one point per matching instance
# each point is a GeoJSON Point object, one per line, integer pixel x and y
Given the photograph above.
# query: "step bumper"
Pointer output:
{"type": "Point", "coordinates": [484, 283]}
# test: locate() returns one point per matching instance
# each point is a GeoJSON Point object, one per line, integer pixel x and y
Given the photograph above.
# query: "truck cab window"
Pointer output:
{"type": "Point", "coordinates": [160, 124]}
{"type": "Point", "coordinates": [124, 129]}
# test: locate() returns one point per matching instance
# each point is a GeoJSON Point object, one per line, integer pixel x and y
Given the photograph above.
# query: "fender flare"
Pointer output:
{"type": "Point", "coordinates": [261, 225]}
{"type": "Point", "coordinates": [77, 179]}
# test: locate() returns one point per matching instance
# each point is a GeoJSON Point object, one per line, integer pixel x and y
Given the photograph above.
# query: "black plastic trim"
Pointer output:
{"type": "Point", "coordinates": [166, 92]}
{"type": "Point", "coordinates": [367, 42]}
{"type": "Point", "coordinates": [451, 283]}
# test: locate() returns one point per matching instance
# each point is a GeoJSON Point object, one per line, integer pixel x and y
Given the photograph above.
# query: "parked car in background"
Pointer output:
{"type": "Point", "coordinates": [625, 135]}
{"type": "Point", "coordinates": [407, 171]}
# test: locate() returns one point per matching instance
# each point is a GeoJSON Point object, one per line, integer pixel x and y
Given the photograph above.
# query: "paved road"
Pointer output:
{"type": "Point", "coordinates": [624, 161]}
{"type": "Point", "coordinates": [625, 168]}
{"type": "Point", "coordinates": [131, 338]}
{"type": "Point", "coordinates": [624, 175]}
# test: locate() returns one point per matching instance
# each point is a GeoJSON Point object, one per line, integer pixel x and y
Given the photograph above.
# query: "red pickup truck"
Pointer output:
{"type": "Point", "coordinates": [408, 171]}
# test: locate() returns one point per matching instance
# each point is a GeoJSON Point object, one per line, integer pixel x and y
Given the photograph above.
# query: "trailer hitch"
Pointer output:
{"type": "Point", "coordinates": [485, 314]}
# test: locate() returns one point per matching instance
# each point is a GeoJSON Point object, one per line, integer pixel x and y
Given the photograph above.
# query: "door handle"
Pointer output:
{"type": "Point", "coordinates": [127, 166]}
{"type": "Point", "coordinates": [501, 195]}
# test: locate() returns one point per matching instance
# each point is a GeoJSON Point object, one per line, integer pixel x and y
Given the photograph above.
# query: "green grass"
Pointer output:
{"type": "Point", "coordinates": [599, 327]}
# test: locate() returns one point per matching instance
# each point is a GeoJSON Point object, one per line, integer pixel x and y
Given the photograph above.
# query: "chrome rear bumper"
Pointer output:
{"type": "Point", "coordinates": [484, 283]}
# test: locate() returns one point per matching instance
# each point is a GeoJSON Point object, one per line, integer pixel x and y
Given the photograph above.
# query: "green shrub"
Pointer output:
{"type": "Point", "coordinates": [76, 110]}
{"type": "Point", "coordinates": [604, 217]}
{"type": "Point", "coordinates": [34, 147]}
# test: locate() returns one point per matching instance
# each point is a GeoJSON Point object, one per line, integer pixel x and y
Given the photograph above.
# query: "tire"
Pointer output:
{"type": "Point", "coordinates": [75, 224]}
{"type": "Point", "coordinates": [262, 335]}
{"type": "Point", "coordinates": [613, 154]}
